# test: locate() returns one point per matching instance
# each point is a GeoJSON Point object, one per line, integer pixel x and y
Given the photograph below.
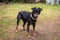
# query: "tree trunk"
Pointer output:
{"type": "Point", "coordinates": [55, 1]}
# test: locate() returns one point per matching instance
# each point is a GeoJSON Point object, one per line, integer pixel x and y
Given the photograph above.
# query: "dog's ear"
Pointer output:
{"type": "Point", "coordinates": [34, 8]}
{"type": "Point", "coordinates": [40, 9]}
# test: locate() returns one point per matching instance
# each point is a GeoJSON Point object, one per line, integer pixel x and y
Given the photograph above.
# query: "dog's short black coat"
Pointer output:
{"type": "Point", "coordinates": [29, 17]}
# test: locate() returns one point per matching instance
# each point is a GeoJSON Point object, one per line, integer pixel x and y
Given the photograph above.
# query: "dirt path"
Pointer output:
{"type": "Point", "coordinates": [45, 30]}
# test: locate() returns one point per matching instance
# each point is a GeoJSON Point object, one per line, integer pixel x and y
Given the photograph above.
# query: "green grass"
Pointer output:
{"type": "Point", "coordinates": [9, 12]}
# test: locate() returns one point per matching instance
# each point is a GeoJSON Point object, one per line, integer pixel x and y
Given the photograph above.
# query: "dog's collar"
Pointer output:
{"type": "Point", "coordinates": [32, 17]}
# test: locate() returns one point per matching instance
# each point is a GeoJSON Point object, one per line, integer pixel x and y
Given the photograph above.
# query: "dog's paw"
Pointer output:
{"type": "Point", "coordinates": [29, 35]}
{"type": "Point", "coordinates": [34, 34]}
{"type": "Point", "coordinates": [16, 30]}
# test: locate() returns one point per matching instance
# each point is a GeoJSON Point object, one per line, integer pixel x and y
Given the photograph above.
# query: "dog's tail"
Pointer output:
{"type": "Point", "coordinates": [18, 19]}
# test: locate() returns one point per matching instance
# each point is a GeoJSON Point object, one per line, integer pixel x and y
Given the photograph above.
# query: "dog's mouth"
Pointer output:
{"type": "Point", "coordinates": [35, 15]}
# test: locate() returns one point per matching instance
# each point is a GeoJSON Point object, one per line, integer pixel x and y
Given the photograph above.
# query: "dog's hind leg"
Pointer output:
{"type": "Point", "coordinates": [18, 20]}
{"type": "Point", "coordinates": [24, 22]}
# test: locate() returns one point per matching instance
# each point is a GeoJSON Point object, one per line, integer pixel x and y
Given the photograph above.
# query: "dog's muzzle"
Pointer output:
{"type": "Point", "coordinates": [35, 15]}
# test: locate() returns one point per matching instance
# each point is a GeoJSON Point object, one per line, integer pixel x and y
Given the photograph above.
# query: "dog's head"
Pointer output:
{"type": "Point", "coordinates": [36, 11]}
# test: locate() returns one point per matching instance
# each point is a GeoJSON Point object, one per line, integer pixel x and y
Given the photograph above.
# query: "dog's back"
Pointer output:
{"type": "Point", "coordinates": [25, 13]}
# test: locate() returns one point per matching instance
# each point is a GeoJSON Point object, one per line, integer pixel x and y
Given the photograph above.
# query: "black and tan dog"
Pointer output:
{"type": "Point", "coordinates": [29, 18]}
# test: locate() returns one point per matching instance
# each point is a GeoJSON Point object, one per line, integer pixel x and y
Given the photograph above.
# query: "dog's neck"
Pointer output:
{"type": "Point", "coordinates": [33, 17]}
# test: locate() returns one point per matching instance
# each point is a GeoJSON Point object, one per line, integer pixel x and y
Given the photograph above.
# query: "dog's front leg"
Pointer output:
{"type": "Point", "coordinates": [28, 25]}
{"type": "Point", "coordinates": [33, 29]}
